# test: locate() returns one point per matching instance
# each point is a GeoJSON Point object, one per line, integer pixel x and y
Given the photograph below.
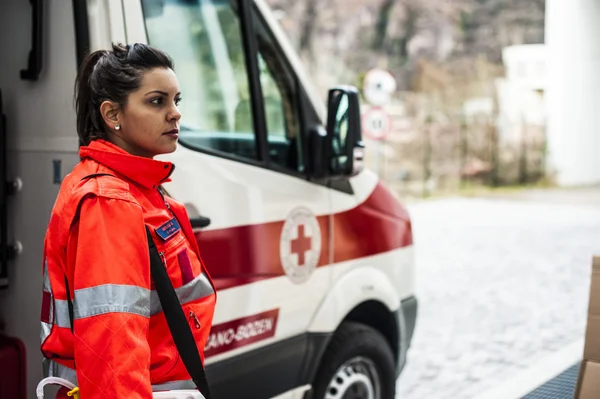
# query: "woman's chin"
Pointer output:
{"type": "Point", "coordinates": [168, 148]}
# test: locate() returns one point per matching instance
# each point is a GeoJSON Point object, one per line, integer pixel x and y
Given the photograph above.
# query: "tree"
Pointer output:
{"type": "Point", "coordinates": [307, 30]}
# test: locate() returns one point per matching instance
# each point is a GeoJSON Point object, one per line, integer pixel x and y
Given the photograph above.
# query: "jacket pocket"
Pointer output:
{"type": "Point", "coordinates": [164, 354]}
{"type": "Point", "coordinates": [199, 316]}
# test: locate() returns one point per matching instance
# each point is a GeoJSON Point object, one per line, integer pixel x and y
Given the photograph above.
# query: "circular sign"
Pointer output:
{"type": "Point", "coordinates": [376, 124]}
{"type": "Point", "coordinates": [378, 87]}
{"type": "Point", "coordinates": [300, 245]}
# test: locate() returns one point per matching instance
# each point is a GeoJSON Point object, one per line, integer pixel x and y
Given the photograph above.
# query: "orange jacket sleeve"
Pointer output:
{"type": "Point", "coordinates": [109, 278]}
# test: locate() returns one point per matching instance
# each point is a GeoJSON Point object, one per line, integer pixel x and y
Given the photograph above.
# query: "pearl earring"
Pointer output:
{"type": "Point", "coordinates": [117, 127]}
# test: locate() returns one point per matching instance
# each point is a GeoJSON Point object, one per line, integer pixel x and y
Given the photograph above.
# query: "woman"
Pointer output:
{"type": "Point", "coordinates": [96, 253]}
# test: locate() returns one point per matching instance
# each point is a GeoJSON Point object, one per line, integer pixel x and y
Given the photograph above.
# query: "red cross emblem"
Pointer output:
{"type": "Point", "coordinates": [301, 245]}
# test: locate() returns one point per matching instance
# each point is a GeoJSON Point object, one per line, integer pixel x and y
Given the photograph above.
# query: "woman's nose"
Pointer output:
{"type": "Point", "coordinates": [175, 114]}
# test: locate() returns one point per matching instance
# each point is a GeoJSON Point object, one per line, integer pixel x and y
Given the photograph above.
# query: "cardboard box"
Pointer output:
{"type": "Point", "coordinates": [588, 383]}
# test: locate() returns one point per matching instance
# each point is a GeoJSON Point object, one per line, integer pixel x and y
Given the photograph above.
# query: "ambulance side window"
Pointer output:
{"type": "Point", "coordinates": [204, 38]}
{"type": "Point", "coordinates": [280, 98]}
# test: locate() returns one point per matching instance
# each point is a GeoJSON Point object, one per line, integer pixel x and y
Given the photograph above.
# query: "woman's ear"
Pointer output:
{"type": "Point", "coordinates": [110, 113]}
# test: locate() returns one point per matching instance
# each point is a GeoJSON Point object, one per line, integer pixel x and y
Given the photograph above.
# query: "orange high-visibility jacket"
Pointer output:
{"type": "Point", "coordinates": [96, 251]}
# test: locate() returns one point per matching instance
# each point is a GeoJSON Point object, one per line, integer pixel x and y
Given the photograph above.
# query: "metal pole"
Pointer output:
{"type": "Point", "coordinates": [379, 160]}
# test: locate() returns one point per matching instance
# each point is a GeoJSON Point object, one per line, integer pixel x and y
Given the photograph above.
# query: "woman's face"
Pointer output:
{"type": "Point", "coordinates": [149, 121]}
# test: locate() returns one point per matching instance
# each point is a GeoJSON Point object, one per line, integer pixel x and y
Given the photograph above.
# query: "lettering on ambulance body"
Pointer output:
{"type": "Point", "coordinates": [241, 332]}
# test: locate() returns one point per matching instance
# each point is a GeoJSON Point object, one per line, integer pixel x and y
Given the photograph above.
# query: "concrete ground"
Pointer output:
{"type": "Point", "coordinates": [503, 284]}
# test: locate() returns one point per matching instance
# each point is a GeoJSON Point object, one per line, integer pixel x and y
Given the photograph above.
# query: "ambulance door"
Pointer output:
{"type": "Point", "coordinates": [262, 225]}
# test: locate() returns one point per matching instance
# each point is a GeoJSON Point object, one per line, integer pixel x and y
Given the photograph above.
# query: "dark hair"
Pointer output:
{"type": "Point", "coordinates": [111, 75]}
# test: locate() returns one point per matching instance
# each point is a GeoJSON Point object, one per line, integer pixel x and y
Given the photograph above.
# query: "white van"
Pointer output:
{"type": "Point", "coordinates": [311, 255]}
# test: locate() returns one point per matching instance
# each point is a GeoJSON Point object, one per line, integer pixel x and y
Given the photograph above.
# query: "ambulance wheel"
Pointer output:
{"type": "Point", "coordinates": [358, 364]}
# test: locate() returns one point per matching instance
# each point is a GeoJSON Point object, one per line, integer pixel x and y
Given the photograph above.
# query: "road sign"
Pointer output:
{"type": "Point", "coordinates": [378, 86]}
{"type": "Point", "coordinates": [376, 123]}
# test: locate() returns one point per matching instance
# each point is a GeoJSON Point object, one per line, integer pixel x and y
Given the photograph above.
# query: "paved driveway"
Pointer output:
{"type": "Point", "coordinates": [502, 284]}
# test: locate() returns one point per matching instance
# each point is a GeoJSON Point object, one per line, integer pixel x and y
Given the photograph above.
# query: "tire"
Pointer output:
{"type": "Point", "coordinates": [357, 364]}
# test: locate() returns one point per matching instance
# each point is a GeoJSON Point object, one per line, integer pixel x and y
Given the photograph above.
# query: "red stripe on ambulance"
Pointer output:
{"type": "Point", "coordinates": [245, 254]}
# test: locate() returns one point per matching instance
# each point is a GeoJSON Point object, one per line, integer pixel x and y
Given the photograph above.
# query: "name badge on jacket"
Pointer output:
{"type": "Point", "coordinates": [168, 230]}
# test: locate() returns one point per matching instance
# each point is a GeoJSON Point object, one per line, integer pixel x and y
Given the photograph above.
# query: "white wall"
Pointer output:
{"type": "Point", "coordinates": [573, 90]}
{"type": "Point", "coordinates": [526, 65]}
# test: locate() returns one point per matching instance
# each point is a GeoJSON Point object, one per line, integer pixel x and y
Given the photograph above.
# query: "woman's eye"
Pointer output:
{"type": "Point", "coordinates": [177, 101]}
{"type": "Point", "coordinates": [156, 101]}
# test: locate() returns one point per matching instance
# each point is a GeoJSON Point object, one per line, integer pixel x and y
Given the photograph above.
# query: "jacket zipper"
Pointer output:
{"type": "Point", "coordinates": [166, 203]}
{"type": "Point", "coordinates": [195, 319]}
{"type": "Point", "coordinates": [192, 316]}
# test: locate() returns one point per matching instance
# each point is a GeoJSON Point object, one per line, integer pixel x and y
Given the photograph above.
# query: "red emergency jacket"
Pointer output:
{"type": "Point", "coordinates": [96, 251]}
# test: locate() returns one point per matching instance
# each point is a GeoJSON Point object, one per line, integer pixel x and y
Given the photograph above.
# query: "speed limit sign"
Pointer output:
{"type": "Point", "coordinates": [376, 123]}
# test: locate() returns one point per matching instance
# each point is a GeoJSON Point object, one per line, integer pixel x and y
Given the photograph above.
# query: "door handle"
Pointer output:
{"type": "Point", "coordinates": [200, 221]}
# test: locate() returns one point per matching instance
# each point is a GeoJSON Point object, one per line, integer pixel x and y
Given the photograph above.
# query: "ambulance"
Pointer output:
{"type": "Point", "coordinates": [311, 255]}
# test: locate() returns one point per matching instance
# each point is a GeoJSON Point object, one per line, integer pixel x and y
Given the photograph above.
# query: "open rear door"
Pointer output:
{"type": "Point", "coordinates": [12, 350]}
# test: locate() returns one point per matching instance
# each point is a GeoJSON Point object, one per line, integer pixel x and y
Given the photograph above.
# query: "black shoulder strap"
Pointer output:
{"type": "Point", "coordinates": [178, 325]}
{"type": "Point", "coordinates": [96, 175]}
{"type": "Point", "coordinates": [69, 302]}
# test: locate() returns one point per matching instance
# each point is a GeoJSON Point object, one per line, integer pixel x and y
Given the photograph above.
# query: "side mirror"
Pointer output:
{"type": "Point", "coordinates": [344, 145]}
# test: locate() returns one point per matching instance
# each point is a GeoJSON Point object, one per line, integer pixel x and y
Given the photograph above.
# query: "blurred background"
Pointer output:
{"type": "Point", "coordinates": [469, 105]}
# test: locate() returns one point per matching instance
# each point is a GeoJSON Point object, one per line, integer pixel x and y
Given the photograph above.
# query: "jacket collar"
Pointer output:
{"type": "Point", "coordinates": [146, 172]}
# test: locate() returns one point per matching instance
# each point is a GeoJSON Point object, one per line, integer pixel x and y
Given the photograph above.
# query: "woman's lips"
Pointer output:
{"type": "Point", "coordinates": [172, 133]}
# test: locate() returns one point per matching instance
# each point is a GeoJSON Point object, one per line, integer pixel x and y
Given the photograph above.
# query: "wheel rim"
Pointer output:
{"type": "Point", "coordinates": [355, 379]}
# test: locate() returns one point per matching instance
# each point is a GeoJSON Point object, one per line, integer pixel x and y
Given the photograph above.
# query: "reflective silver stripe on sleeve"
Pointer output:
{"type": "Point", "coordinates": [61, 313]}
{"type": "Point", "coordinates": [53, 369]}
{"type": "Point", "coordinates": [198, 288]}
{"type": "Point", "coordinates": [47, 286]}
{"type": "Point", "coordinates": [46, 328]}
{"type": "Point", "coordinates": [111, 298]}
{"type": "Point", "coordinates": [173, 385]}
{"type": "Point", "coordinates": [45, 331]}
